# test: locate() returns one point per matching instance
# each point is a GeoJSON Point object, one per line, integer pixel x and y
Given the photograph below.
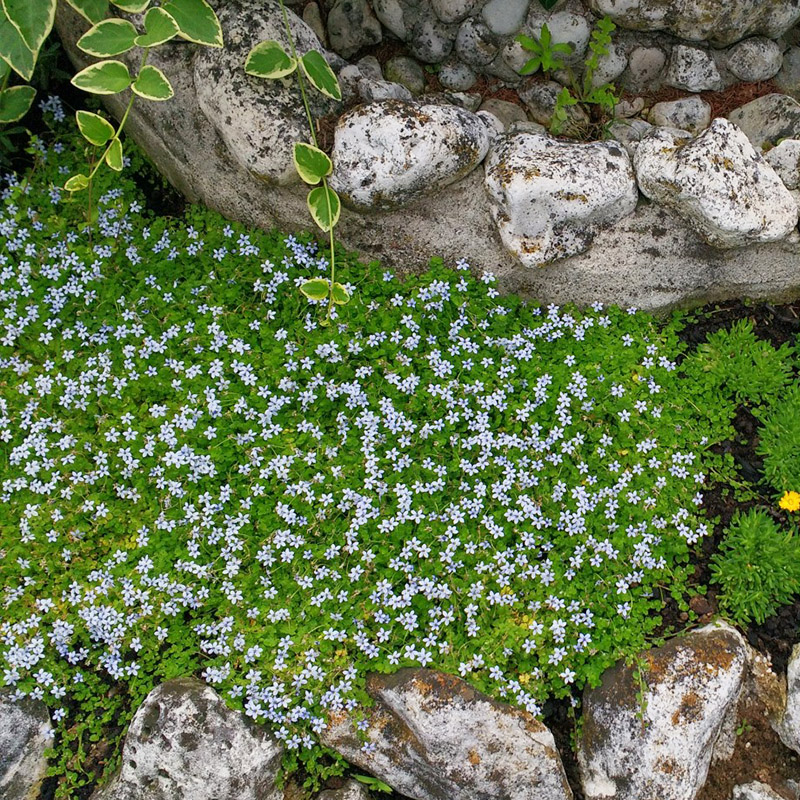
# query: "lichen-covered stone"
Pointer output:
{"type": "Point", "coordinates": [407, 71]}
{"type": "Point", "coordinates": [431, 40]}
{"type": "Point", "coordinates": [259, 120]}
{"type": "Point", "coordinates": [549, 198]}
{"type": "Point", "coordinates": [388, 154]}
{"type": "Point", "coordinates": [785, 160]}
{"type": "Point", "coordinates": [692, 70]}
{"type": "Point", "coordinates": [435, 738]}
{"type": "Point", "coordinates": [475, 44]}
{"type": "Point", "coordinates": [184, 743]}
{"type": "Point", "coordinates": [719, 23]}
{"type": "Point", "coordinates": [755, 59]}
{"type": "Point", "coordinates": [352, 790]}
{"type": "Point", "coordinates": [649, 731]}
{"type": "Point", "coordinates": [718, 183]}
{"type": "Point", "coordinates": [768, 119]}
{"type": "Point", "coordinates": [25, 735]}
{"type": "Point", "coordinates": [691, 114]}
{"type": "Point", "coordinates": [456, 77]}
{"type": "Point", "coordinates": [351, 26]}
{"type": "Point", "coordinates": [371, 91]}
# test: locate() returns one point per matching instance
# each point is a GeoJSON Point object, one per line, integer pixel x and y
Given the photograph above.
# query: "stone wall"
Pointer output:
{"type": "Point", "coordinates": [440, 146]}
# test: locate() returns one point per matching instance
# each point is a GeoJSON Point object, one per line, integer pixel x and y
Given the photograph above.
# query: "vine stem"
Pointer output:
{"type": "Point", "coordinates": [312, 131]}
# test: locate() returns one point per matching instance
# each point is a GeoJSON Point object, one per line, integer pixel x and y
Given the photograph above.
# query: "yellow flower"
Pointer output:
{"type": "Point", "coordinates": [790, 501]}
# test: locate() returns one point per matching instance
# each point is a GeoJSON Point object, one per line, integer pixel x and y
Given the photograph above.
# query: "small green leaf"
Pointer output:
{"type": "Point", "coordinates": [93, 10]}
{"type": "Point", "coordinates": [562, 47]}
{"type": "Point", "coordinates": [33, 19]}
{"type": "Point", "coordinates": [544, 37]}
{"type": "Point", "coordinates": [196, 20]}
{"type": "Point", "coordinates": [76, 183]}
{"type": "Point", "coordinates": [95, 129]}
{"type": "Point", "coordinates": [531, 66]}
{"type": "Point", "coordinates": [13, 49]}
{"type": "Point", "coordinates": [319, 72]}
{"type": "Point", "coordinates": [114, 155]}
{"type": "Point", "coordinates": [528, 43]}
{"type": "Point", "coordinates": [132, 6]}
{"type": "Point", "coordinates": [340, 295]}
{"type": "Point", "coordinates": [315, 289]}
{"type": "Point", "coordinates": [15, 102]}
{"type": "Point", "coordinates": [324, 205]}
{"type": "Point", "coordinates": [311, 163]}
{"type": "Point", "coordinates": [269, 60]}
{"type": "Point", "coordinates": [105, 77]}
{"type": "Point", "coordinates": [159, 28]}
{"type": "Point", "coordinates": [108, 38]}
{"type": "Point", "coordinates": [152, 84]}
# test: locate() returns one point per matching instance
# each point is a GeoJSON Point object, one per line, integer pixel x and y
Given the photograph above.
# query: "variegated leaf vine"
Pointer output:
{"type": "Point", "coordinates": [270, 60]}
{"type": "Point", "coordinates": [25, 24]}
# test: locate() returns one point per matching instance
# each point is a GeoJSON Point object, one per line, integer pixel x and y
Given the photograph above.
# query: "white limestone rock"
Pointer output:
{"type": "Point", "coordinates": [658, 746]}
{"type": "Point", "coordinates": [755, 790]}
{"type": "Point", "coordinates": [719, 23]}
{"type": "Point", "coordinates": [717, 183]}
{"type": "Point", "coordinates": [388, 154]}
{"type": "Point", "coordinates": [25, 735]}
{"type": "Point", "coordinates": [436, 738]}
{"type": "Point", "coordinates": [768, 119]}
{"type": "Point", "coordinates": [691, 114]}
{"type": "Point", "coordinates": [258, 120]}
{"type": "Point", "coordinates": [184, 743]}
{"type": "Point", "coordinates": [610, 66]}
{"type": "Point", "coordinates": [549, 198]}
{"type": "Point", "coordinates": [568, 23]}
{"type": "Point", "coordinates": [692, 70]}
{"type": "Point", "coordinates": [505, 17]}
{"type": "Point", "coordinates": [755, 59]}
{"type": "Point", "coordinates": [395, 16]}
{"type": "Point", "coordinates": [646, 67]}
{"type": "Point", "coordinates": [785, 160]}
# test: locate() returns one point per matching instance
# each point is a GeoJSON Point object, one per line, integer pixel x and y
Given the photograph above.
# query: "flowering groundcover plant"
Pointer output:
{"type": "Point", "coordinates": [196, 476]}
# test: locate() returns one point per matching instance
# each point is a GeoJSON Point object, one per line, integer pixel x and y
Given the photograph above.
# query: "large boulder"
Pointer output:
{"type": "Point", "coordinates": [549, 198]}
{"type": "Point", "coordinates": [184, 743]}
{"type": "Point", "coordinates": [25, 735]}
{"type": "Point", "coordinates": [259, 120]}
{"type": "Point", "coordinates": [718, 183]}
{"type": "Point", "coordinates": [649, 730]}
{"type": "Point", "coordinates": [388, 154]}
{"type": "Point", "coordinates": [719, 23]}
{"type": "Point", "coordinates": [431, 737]}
